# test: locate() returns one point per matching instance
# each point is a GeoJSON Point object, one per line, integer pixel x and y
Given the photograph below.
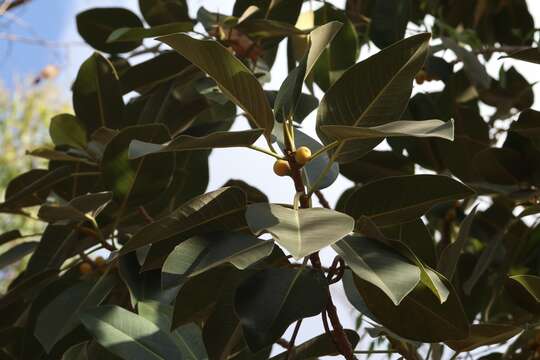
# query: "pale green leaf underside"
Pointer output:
{"type": "Point", "coordinates": [219, 139]}
{"type": "Point", "coordinates": [422, 129]}
{"type": "Point", "coordinates": [301, 232]}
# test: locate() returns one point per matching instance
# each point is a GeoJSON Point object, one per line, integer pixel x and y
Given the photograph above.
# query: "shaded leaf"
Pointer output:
{"type": "Point", "coordinates": [233, 78]}
{"type": "Point", "coordinates": [380, 265]}
{"type": "Point", "coordinates": [10, 236]}
{"type": "Point", "coordinates": [391, 71]}
{"type": "Point", "coordinates": [97, 97]}
{"type": "Point", "coordinates": [153, 71]}
{"type": "Point", "coordinates": [389, 21]}
{"type": "Point", "coordinates": [530, 55]}
{"type": "Point", "coordinates": [289, 93]}
{"type": "Point", "coordinates": [484, 334]}
{"type": "Point", "coordinates": [440, 322]}
{"type": "Point", "coordinates": [139, 33]}
{"type": "Point", "coordinates": [205, 252]}
{"type": "Point", "coordinates": [450, 255]}
{"type": "Point", "coordinates": [217, 210]}
{"type": "Point", "coordinates": [300, 231]}
{"type": "Point", "coordinates": [397, 200]}
{"type": "Point", "coordinates": [16, 253]}
{"type": "Point", "coordinates": [137, 181]}
{"type": "Point", "coordinates": [158, 12]}
{"type": "Point", "coordinates": [375, 165]}
{"type": "Point", "coordinates": [342, 52]}
{"type": "Point", "coordinates": [322, 345]}
{"type": "Point", "coordinates": [97, 24]}
{"type": "Point", "coordinates": [269, 301]}
{"type": "Point", "coordinates": [530, 283]}
{"type": "Point", "coordinates": [64, 310]}
{"type": "Point", "coordinates": [476, 72]}
{"type": "Point", "coordinates": [80, 208]}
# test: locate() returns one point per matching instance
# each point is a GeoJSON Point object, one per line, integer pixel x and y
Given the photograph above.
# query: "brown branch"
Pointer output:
{"type": "Point", "coordinates": [11, 4]}
{"type": "Point", "coordinates": [290, 351]}
{"type": "Point", "coordinates": [322, 199]}
{"type": "Point", "coordinates": [342, 341]}
{"type": "Point", "coordinates": [340, 338]}
{"type": "Point", "coordinates": [145, 215]}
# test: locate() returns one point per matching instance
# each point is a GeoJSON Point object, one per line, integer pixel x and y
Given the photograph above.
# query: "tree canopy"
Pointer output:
{"type": "Point", "coordinates": [436, 244]}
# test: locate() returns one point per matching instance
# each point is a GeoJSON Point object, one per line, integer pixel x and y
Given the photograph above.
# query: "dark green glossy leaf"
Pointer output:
{"type": "Point", "coordinates": [76, 352]}
{"type": "Point", "coordinates": [81, 208]}
{"type": "Point", "coordinates": [213, 211]}
{"type": "Point", "coordinates": [254, 195]}
{"type": "Point", "coordinates": [322, 345]}
{"type": "Point", "coordinates": [188, 338]}
{"type": "Point", "coordinates": [474, 69]}
{"type": "Point", "coordinates": [140, 180]}
{"type": "Point", "coordinates": [233, 78]}
{"type": "Point", "coordinates": [417, 237]}
{"type": "Point", "coordinates": [219, 139]}
{"type": "Point", "coordinates": [289, 93]}
{"type": "Point", "coordinates": [197, 297]}
{"type": "Point", "coordinates": [268, 302]}
{"type": "Point", "coordinates": [10, 236]}
{"type": "Point", "coordinates": [342, 52]}
{"type": "Point", "coordinates": [16, 253]}
{"type": "Point", "coordinates": [64, 310]}
{"type": "Point", "coordinates": [396, 200]}
{"type": "Point", "coordinates": [531, 55]}
{"type": "Point", "coordinates": [450, 255]}
{"type": "Point", "coordinates": [380, 265]}
{"type": "Point", "coordinates": [389, 21]}
{"type": "Point", "coordinates": [97, 24]}
{"type": "Point", "coordinates": [484, 334]}
{"type": "Point", "coordinates": [153, 71]}
{"type": "Point", "coordinates": [97, 97]}
{"type": "Point", "coordinates": [530, 283]}
{"type": "Point", "coordinates": [375, 165]}
{"type": "Point", "coordinates": [158, 12]}
{"type": "Point", "coordinates": [128, 335]}
{"type": "Point", "coordinates": [32, 188]}
{"type": "Point", "coordinates": [392, 70]}
{"type": "Point", "coordinates": [143, 286]}
{"type": "Point", "coordinates": [300, 231]}
{"type": "Point", "coordinates": [484, 261]}
{"type": "Point", "coordinates": [205, 252]}
{"type": "Point", "coordinates": [440, 322]}
{"type": "Point", "coordinates": [140, 33]}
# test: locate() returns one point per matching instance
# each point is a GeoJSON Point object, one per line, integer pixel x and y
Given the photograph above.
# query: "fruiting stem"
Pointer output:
{"type": "Point", "coordinates": [324, 149]}
{"type": "Point", "coordinates": [324, 172]}
{"type": "Point", "coordinates": [339, 336]}
{"type": "Point", "coordinates": [267, 152]}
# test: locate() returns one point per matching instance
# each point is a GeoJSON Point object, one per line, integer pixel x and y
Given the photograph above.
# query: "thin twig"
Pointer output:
{"type": "Point", "coordinates": [290, 352]}
{"type": "Point", "coordinates": [322, 199]}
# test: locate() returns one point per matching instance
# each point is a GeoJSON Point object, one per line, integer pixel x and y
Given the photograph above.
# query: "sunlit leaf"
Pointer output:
{"type": "Point", "coordinates": [128, 335]}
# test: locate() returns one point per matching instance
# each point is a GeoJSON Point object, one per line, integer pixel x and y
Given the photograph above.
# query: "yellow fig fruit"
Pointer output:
{"type": "Point", "coordinates": [302, 155]}
{"type": "Point", "coordinates": [282, 168]}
